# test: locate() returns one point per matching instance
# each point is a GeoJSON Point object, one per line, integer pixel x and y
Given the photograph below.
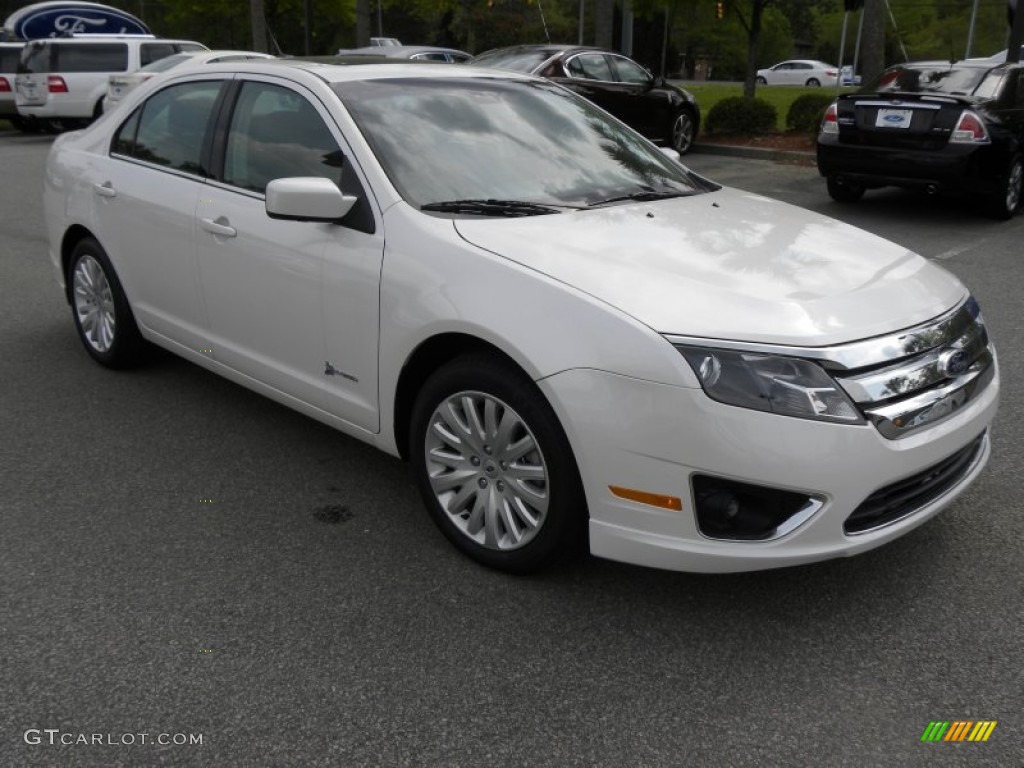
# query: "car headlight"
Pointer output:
{"type": "Point", "coordinates": [787, 386]}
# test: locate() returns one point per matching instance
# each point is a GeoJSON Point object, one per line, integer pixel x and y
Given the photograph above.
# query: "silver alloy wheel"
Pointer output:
{"type": "Point", "coordinates": [682, 132]}
{"type": "Point", "coordinates": [94, 303]}
{"type": "Point", "coordinates": [487, 471]}
{"type": "Point", "coordinates": [1013, 186]}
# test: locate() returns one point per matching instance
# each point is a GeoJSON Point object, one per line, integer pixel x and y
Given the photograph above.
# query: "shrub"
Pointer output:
{"type": "Point", "coordinates": [737, 114]}
{"type": "Point", "coordinates": [806, 111]}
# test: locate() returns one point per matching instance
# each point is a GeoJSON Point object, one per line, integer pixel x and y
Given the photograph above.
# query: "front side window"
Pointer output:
{"type": "Point", "coordinates": [276, 133]}
{"type": "Point", "coordinates": [170, 127]}
{"type": "Point", "coordinates": [631, 72]}
{"type": "Point", "coordinates": [493, 139]}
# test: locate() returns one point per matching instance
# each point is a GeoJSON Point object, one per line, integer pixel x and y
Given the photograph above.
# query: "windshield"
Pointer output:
{"type": "Point", "coordinates": [167, 62]}
{"type": "Point", "coordinates": [517, 61]}
{"type": "Point", "coordinates": [944, 79]}
{"type": "Point", "coordinates": [487, 139]}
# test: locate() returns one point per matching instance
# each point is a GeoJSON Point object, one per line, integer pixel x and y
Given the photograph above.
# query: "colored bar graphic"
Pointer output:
{"type": "Point", "coordinates": [958, 730]}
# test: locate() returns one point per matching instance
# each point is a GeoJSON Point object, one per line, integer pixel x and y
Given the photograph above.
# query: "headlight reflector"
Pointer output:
{"type": "Point", "coordinates": [787, 386]}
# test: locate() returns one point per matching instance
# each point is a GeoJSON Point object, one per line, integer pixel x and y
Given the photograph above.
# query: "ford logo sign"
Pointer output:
{"type": "Point", "coordinates": [893, 118]}
{"type": "Point", "coordinates": [953, 362]}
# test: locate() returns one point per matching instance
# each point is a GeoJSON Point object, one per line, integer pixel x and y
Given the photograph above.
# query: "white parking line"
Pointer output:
{"type": "Point", "coordinates": [954, 252]}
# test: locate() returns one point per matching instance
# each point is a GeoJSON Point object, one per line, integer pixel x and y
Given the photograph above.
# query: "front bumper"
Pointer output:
{"type": "Point", "coordinates": [642, 435]}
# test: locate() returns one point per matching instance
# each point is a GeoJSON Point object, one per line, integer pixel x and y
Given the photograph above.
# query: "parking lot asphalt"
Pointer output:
{"type": "Point", "coordinates": [182, 558]}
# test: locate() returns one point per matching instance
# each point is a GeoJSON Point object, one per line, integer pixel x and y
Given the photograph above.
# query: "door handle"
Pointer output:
{"type": "Point", "coordinates": [106, 189]}
{"type": "Point", "coordinates": [219, 226]}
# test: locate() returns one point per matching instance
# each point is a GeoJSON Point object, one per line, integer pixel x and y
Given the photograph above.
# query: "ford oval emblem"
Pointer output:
{"type": "Point", "coordinates": [893, 118]}
{"type": "Point", "coordinates": [953, 362]}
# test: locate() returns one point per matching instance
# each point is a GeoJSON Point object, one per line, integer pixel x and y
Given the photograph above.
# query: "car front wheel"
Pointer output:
{"type": "Point", "coordinates": [844, 191]}
{"type": "Point", "coordinates": [682, 132]}
{"type": "Point", "coordinates": [102, 316]}
{"type": "Point", "coordinates": [1005, 203]}
{"type": "Point", "coordinates": [494, 467]}
{"type": "Point", "coordinates": [761, 81]}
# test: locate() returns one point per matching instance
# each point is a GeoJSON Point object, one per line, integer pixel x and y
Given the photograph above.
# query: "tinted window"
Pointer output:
{"type": "Point", "coordinates": [35, 58]}
{"type": "Point", "coordinates": [275, 133]}
{"type": "Point", "coordinates": [942, 79]}
{"type": "Point", "coordinates": [591, 66]}
{"type": "Point", "coordinates": [90, 57]}
{"type": "Point", "coordinates": [124, 139]}
{"type": "Point", "coordinates": [9, 59]}
{"type": "Point", "coordinates": [150, 52]}
{"type": "Point", "coordinates": [173, 125]}
{"type": "Point", "coordinates": [631, 72]}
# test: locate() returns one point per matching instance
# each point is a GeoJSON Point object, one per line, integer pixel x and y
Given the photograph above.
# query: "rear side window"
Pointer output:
{"type": "Point", "coordinates": [170, 128]}
{"type": "Point", "coordinates": [90, 57]}
{"type": "Point", "coordinates": [9, 57]}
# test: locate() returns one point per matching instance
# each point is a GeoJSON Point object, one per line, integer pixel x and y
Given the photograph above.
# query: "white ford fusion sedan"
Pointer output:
{"type": "Point", "coordinates": [570, 336]}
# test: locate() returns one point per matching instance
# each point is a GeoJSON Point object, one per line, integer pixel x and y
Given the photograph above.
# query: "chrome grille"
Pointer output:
{"type": "Point", "coordinates": [947, 363]}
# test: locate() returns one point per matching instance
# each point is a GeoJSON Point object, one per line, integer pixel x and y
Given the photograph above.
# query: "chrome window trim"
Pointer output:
{"type": "Point", "coordinates": [944, 329]}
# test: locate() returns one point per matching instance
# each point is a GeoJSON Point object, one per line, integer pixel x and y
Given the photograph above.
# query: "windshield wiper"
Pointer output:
{"type": "Point", "coordinates": [643, 196]}
{"type": "Point", "coordinates": [490, 207]}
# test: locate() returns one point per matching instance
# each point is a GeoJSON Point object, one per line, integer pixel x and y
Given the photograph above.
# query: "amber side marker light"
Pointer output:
{"type": "Point", "coordinates": [644, 497]}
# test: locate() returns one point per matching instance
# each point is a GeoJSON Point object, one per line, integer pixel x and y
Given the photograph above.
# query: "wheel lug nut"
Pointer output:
{"type": "Point", "coordinates": [474, 460]}
{"type": "Point", "coordinates": [487, 450]}
{"type": "Point", "coordinates": [501, 486]}
{"type": "Point", "coordinates": [503, 465]}
{"type": "Point", "coordinates": [482, 482]}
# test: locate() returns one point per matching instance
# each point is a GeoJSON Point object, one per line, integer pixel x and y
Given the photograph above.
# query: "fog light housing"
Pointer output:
{"type": "Point", "coordinates": [735, 511]}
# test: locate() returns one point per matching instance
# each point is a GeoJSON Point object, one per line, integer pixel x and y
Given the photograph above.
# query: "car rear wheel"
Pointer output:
{"type": "Point", "coordinates": [682, 132]}
{"type": "Point", "coordinates": [494, 467]}
{"type": "Point", "coordinates": [813, 82]}
{"type": "Point", "coordinates": [1006, 202]}
{"type": "Point", "coordinates": [102, 316]}
{"type": "Point", "coordinates": [844, 191]}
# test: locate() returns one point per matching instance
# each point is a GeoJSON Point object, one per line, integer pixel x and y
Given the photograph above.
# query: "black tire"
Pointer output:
{"type": "Point", "coordinates": [1005, 203]}
{"type": "Point", "coordinates": [22, 124]}
{"type": "Point", "coordinates": [97, 112]}
{"type": "Point", "coordinates": [479, 474]}
{"type": "Point", "coordinates": [102, 316]}
{"type": "Point", "coordinates": [844, 191]}
{"type": "Point", "coordinates": [762, 81]}
{"type": "Point", "coordinates": [682, 131]}
{"type": "Point", "coordinates": [813, 82]}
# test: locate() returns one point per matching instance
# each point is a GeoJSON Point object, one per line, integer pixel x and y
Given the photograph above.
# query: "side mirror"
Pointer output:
{"type": "Point", "coordinates": [307, 198]}
{"type": "Point", "coordinates": [670, 153]}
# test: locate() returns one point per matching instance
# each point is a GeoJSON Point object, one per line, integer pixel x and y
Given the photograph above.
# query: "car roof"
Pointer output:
{"type": "Point", "coordinates": [549, 48]}
{"type": "Point", "coordinates": [397, 51]}
{"type": "Point", "coordinates": [330, 70]}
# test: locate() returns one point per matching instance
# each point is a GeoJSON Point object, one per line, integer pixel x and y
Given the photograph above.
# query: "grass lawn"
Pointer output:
{"type": "Point", "coordinates": [779, 96]}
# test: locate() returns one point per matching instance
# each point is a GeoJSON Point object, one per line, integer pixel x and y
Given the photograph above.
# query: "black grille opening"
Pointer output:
{"type": "Point", "coordinates": [906, 496]}
{"type": "Point", "coordinates": [727, 509]}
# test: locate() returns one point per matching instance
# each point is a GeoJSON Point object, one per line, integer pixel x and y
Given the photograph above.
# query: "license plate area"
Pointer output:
{"type": "Point", "coordinates": [894, 118]}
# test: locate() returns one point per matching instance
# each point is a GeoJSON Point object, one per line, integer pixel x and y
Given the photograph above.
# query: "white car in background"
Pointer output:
{"type": "Point", "coordinates": [119, 86]}
{"type": "Point", "coordinates": [10, 53]}
{"type": "Point", "coordinates": [571, 341]}
{"type": "Point", "coordinates": [799, 72]}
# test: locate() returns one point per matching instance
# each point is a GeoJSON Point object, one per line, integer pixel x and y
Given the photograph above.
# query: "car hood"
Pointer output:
{"type": "Point", "coordinates": [729, 265]}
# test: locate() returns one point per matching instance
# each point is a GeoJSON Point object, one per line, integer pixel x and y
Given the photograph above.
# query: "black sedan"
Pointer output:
{"type": "Point", "coordinates": [614, 82]}
{"type": "Point", "coordinates": [933, 126]}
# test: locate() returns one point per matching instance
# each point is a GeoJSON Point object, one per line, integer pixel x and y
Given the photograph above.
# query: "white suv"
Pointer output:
{"type": "Point", "coordinates": [9, 55]}
{"type": "Point", "coordinates": [66, 78]}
